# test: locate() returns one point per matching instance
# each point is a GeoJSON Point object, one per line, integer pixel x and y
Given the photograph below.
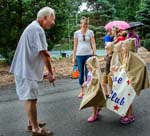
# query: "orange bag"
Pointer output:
{"type": "Point", "coordinates": [75, 72]}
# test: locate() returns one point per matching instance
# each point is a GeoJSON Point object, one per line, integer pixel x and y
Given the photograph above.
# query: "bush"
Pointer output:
{"type": "Point", "coordinates": [4, 53]}
{"type": "Point", "coordinates": [147, 35]}
{"type": "Point", "coordinates": [10, 57]}
{"type": "Point", "coordinates": [146, 44]}
{"type": "Point", "coordinates": [142, 43]}
{"type": "Point", "coordinates": [7, 55]}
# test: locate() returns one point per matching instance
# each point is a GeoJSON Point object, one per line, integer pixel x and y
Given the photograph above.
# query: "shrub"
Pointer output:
{"type": "Point", "coordinates": [146, 44]}
{"type": "Point", "coordinates": [10, 56]}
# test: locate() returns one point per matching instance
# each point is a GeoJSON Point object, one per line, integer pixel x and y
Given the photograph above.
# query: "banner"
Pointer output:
{"type": "Point", "coordinates": [122, 93]}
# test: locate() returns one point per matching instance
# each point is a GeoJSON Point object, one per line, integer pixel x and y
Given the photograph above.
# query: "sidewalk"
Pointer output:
{"type": "Point", "coordinates": [59, 108]}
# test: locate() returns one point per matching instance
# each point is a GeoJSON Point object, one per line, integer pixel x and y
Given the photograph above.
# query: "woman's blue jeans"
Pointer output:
{"type": "Point", "coordinates": [81, 60]}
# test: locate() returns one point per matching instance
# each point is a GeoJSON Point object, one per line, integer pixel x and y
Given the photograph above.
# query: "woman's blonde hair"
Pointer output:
{"type": "Point", "coordinates": [84, 20]}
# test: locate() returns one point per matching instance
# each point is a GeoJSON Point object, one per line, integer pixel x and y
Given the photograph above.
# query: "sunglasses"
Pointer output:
{"type": "Point", "coordinates": [83, 37]}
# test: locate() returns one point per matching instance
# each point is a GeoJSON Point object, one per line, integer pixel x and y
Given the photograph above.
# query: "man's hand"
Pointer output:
{"type": "Point", "coordinates": [51, 78]}
{"type": "Point", "coordinates": [47, 61]}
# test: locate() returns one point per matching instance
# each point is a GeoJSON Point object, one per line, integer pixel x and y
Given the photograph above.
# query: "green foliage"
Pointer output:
{"type": "Point", "coordinates": [10, 56]}
{"type": "Point", "coordinates": [101, 12]}
{"type": "Point", "coordinates": [126, 9]}
{"type": "Point", "coordinates": [143, 15]}
{"type": "Point", "coordinates": [15, 15]}
{"type": "Point", "coordinates": [146, 43]}
{"type": "Point", "coordinates": [107, 10]}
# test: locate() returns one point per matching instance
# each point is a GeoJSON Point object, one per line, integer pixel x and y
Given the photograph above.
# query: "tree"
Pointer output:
{"type": "Point", "coordinates": [15, 15]}
{"type": "Point", "coordinates": [143, 15]}
{"type": "Point", "coordinates": [126, 9]}
{"type": "Point", "coordinates": [101, 12]}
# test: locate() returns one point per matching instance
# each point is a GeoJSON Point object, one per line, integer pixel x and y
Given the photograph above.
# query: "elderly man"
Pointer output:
{"type": "Point", "coordinates": [28, 64]}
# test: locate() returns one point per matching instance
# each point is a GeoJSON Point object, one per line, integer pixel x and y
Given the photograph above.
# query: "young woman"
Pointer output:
{"type": "Point", "coordinates": [84, 47]}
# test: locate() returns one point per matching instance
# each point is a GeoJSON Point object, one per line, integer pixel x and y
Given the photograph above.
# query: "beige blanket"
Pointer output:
{"type": "Point", "coordinates": [94, 96]}
{"type": "Point", "coordinates": [137, 73]}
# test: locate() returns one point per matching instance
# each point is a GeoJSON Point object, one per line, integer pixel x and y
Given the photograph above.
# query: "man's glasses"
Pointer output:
{"type": "Point", "coordinates": [83, 37]}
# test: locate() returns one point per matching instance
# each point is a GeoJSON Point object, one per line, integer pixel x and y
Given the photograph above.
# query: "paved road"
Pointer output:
{"type": "Point", "coordinates": [59, 108]}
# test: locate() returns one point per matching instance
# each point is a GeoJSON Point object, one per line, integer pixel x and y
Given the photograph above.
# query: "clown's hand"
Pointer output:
{"type": "Point", "coordinates": [114, 68]}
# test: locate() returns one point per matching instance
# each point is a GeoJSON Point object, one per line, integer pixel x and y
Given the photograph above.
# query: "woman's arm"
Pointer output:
{"type": "Point", "coordinates": [93, 44]}
{"type": "Point", "coordinates": [74, 50]}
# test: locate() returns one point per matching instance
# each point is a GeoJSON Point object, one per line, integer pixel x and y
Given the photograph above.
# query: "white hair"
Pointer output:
{"type": "Point", "coordinates": [45, 11]}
